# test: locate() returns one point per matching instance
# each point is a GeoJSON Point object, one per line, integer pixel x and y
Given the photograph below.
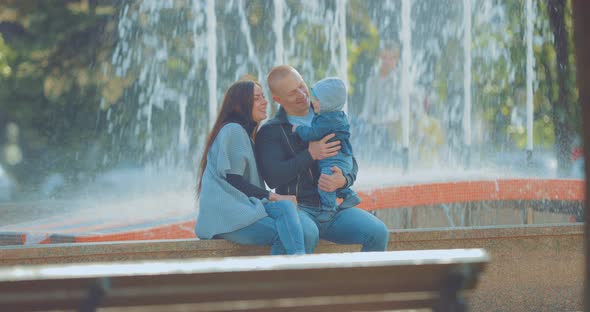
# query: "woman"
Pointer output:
{"type": "Point", "coordinates": [234, 205]}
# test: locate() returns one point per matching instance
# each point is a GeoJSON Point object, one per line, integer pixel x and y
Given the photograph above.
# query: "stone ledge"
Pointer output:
{"type": "Point", "coordinates": [195, 248]}
{"type": "Point", "coordinates": [140, 250]}
{"type": "Point", "coordinates": [532, 268]}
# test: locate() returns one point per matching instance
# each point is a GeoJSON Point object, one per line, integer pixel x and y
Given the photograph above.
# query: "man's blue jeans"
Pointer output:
{"type": "Point", "coordinates": [344, 226]}
{"type": "Point", "coordinates": [350, 226]}
{"type": "Point", "coordinates": [286, 229]}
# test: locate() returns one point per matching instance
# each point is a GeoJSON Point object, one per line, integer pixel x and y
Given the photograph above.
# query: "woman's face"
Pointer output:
{"type": "Point", "coordinates": [259, 105]}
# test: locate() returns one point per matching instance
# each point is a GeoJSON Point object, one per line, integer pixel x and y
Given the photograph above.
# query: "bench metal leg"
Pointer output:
{"type": "Point", "coordinates": [450, 298]}
{"type": "Point", "coordinates": [96, 293]}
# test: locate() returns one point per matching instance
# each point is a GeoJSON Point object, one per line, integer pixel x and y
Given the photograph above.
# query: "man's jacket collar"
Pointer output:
{"type": "Point", "coordinates": [279, 118]}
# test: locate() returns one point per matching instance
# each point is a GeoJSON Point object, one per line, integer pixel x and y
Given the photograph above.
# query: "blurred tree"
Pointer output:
{"type": "Point", "coordinates": [499, 76]}
{"type": "Point", "coordinates": [51, 54]}
{"type": "Point", "coordinates": [78, 107]}
{"type": "Point", "coordinates": [565, 109]}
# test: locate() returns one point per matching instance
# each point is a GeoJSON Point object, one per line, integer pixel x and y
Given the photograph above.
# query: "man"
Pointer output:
{"type": "Point", "coordinates": [289, 165]}
{"type": "Point", "coordinates": [382, 105]}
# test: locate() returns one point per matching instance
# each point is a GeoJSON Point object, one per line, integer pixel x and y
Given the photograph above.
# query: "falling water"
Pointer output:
{"type": "Point", "coordinates": [278, 26]}
{"type": "Point", "coordinates": [183, 140]}
{"type": "Point", "coordinates": [182, 56]}
{"type": "Point", "coordinates": [252, 56]}
{"type": "Point", "coordinates": [176, 58]}
{"type": "Point", "coordinates": [341, 29]}
{"type": "Point", "coordinates": [211, 58]}
{"type": "Point", "coordinates": [239, 37]}
{"type": "Point", "coordinates": [467, 73]}
{"type": "Point", "coordinates": [530, 63]}
{"type": "Point", "coordinates": [406, 80]}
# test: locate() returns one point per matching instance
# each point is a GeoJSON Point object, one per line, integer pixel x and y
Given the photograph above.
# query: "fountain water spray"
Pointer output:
{"type": "Point", "coordinates": [467, 81]}
{"type": "Point", "coordinates": [252, 56]}
{"type": "Point", "coordinates": [406, 81]}
{"type": "Point", "coordinates": [277, 25]}
{"type": "Point", "coordinates": [343, 56]}
{"type": "Point", "coordinates": [211, 59]}
{"type": "Point", "coordinates": [530, 62]}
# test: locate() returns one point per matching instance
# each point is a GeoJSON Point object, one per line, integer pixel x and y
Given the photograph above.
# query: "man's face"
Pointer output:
{"type": "Point", "coordinates": [293, 95]}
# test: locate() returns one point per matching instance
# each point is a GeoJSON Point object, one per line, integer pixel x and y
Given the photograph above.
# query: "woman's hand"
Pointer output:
{"type": "Point", "coordinates": [276, 197]}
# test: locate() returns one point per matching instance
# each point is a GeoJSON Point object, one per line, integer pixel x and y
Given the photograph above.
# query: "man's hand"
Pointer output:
{"type": "Point", "coordinates": [330, 183]}
{"type": "Point", "coordinates": [320, 149]}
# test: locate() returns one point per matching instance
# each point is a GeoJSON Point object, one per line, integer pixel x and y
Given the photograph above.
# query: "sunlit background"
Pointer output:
{"type": "Point", "coordinates": [104, 101]}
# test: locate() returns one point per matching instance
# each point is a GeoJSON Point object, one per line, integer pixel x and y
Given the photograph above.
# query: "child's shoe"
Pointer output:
{"type": "Point", "coordinates": [350, 201]}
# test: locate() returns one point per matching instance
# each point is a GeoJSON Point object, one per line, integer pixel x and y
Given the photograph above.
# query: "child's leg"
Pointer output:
{"type": "Point", "coordinates": [328, 199]}
{"type": "Point", "coordinates": [350, 198]}
{"type": "Point", "coordinates": [343, 193]}
{"type": "Point", "coordinates": [288, 225]}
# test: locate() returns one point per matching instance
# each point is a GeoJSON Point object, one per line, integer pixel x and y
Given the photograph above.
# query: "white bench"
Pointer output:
{"type": "Point", "coordinates": [319, 282]}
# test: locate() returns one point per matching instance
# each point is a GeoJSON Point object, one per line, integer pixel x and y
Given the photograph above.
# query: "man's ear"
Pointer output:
{"type": "Point", "coordinates": [276, 99]}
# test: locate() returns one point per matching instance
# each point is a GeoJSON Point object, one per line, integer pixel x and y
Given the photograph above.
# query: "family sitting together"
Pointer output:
{"type": "Point", "coordinates": [303, 153]}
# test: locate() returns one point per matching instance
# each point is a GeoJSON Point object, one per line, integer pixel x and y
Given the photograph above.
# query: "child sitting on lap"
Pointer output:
{"type": "Point", "coordinates": [328, 99]}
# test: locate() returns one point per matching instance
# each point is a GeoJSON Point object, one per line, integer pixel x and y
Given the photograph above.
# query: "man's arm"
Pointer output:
{"type": "Point", "coordinates": [278, 165]}
{"type": "Point", "coordinates": [351, 176]}
{"type": "Point", "coordinates": [338, 180]}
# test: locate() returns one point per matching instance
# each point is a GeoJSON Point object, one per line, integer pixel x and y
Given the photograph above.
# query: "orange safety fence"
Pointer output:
{"type": "Point", "coordinates": [472, 191]}
{"type": "Point", "coordinates": [85, 229]}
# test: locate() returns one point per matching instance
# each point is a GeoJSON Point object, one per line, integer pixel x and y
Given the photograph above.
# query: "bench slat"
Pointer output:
{"type": "Point", "coordinates": [244, 278]}
{"type": "Point", "coordinates": [376, 302]}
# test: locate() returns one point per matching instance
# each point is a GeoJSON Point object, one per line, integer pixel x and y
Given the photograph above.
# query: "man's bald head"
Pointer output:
{"type": "Point", "coordinates": [289, 90]}
{"type": "Point", "coordinates": [277, 74]}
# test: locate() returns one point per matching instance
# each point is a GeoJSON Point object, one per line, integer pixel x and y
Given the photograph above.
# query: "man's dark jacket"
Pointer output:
{"type": "Point", "coordinates": [285, 162]}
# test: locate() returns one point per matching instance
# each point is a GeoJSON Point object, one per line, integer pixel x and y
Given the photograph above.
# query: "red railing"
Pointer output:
{"type": "Point", "coordinates": [472, 191]}
{"type": "Point", "coordinates": [422, 194]}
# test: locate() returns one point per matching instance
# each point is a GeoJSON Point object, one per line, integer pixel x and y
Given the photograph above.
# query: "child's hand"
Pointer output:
{"type": "Point", "coordinates": [315, 104]}
{"type": "Point", "coordinates": [294, 127]}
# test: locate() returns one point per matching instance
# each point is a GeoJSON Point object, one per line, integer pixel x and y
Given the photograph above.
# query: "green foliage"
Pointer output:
{"type": "Point", "coordinates": [500, 83]}
{"type": "Point", "coordinates": [76, 114]}
{"type": "Point", "coordinates": [48, 84]}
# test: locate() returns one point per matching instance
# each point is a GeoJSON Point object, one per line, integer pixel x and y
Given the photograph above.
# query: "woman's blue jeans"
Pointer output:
{"type": "Point", "coordinates": [286, 229]}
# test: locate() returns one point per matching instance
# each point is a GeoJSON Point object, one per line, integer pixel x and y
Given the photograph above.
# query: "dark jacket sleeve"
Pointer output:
{"type": "Point", "coordinates": [275, 159]}
{"type": "Point", "coordinates": [246, 187]}
{"type": "Point", "coordinates": [351, 176]}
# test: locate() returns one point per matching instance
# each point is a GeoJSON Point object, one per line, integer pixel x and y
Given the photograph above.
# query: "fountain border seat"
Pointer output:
{"type": "Point", "coordinates": [533, 267]}
{"type": "Point", "coordinates": [401, 196]}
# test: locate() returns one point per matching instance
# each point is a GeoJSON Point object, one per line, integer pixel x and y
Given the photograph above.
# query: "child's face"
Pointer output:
{"type": "Point", "coordinates": [315, 103]}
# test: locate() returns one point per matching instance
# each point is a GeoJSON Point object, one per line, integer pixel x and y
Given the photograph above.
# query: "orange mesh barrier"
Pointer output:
{"type": "Point", "coordinates": [74, 230]}
{"type": "Point", "coordinates": [172, 231]}
{"type": "Point", "coordinates": [472, 191]}
{"type": "Point", "coordinates": [169, 231]}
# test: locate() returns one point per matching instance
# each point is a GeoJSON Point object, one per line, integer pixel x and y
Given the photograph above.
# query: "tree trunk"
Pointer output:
{"type": "Point", "coordinates": [581, 12]}
{"type": "Point", "coordinates": [562, 109]}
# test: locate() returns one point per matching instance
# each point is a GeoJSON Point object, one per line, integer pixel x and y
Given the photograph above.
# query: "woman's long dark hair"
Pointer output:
{"type": "Point", "coordinates": [236, 107]}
